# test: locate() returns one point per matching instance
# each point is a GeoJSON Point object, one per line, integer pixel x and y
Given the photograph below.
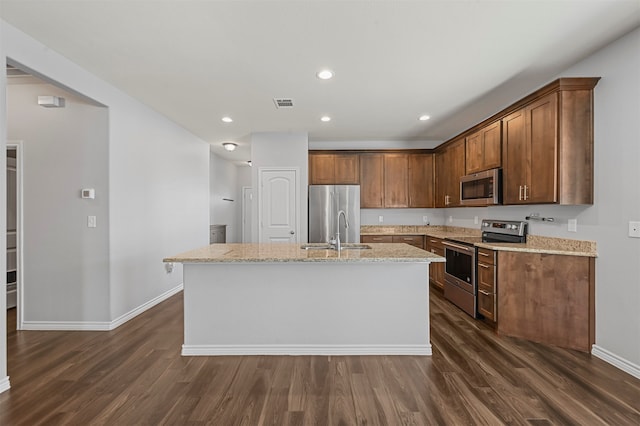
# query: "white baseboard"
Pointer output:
{"type": "Point", "coordinates": [338, 350]}
{"type": "Point", "coordinates": [616, 361]}
{"type": "Point", "coordinates": [99, 325]}
{"type": "Point", "coordinates": [4, 384]}
{"type": "Point", "coordinates": [145, 306]}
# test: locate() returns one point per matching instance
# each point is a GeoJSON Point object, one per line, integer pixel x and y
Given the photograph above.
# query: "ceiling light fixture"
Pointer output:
{"type": "Point", "coordinates": [324, 74]}
{"type": "Point", "coordinates": [227, 119]}
{"type": "Point", "coordinates": [229, 146]}
{"type": "Point", "coordinates": [325, 118]}
{"type": "Point", "coordinates": [424, 117]}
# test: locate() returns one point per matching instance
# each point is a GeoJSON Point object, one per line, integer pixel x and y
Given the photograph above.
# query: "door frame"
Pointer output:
{"type": "Point", "coordinates": [246, 220]}
{"type": "Point", "coordinates": [19, 147]}
{"type": "Point", "coordinates": [296, 171]}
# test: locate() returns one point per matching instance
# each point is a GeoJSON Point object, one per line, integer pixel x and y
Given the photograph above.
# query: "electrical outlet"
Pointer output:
{"type": "Point", "coordinates": [380, 219]}
{"type": "Point", "coordinates": [450, 219]}
{"type": "Point", "coordinates": [91, 222]}
{"type": "Point", "coordinates": [634, 229]}
{"type": "Point", "coordinates": [168, 267]}
{"type": "Point", "coordinates": [475, 220]}
{"type": "Point", "coordinates": [425, 219]}
{"type": "Point", "coordinates": [572, 225]}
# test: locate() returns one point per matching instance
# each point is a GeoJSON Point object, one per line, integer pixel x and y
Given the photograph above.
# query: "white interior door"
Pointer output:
{"type": "Point", "coordinates": [279, 212]}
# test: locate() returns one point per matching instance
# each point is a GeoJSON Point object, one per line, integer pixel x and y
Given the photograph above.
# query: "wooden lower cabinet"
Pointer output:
{"type": "Point", "coordinates": [547, 298]}
{"type": "Point", "coordinates": [414, 240]}
{"type": "Point", "coordinates": [487, 284]}
{"type": "Point", "coordinates": [436, 270]}
{"type": "Point", "coordinates": [366, 239]}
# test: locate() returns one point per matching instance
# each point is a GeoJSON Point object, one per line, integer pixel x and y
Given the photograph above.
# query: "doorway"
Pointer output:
{"type": "Point", "coordinates": [14, 270]}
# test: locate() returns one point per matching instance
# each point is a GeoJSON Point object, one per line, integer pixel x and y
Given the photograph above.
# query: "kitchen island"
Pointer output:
{"type": "Point", "coordinates": [280, 299]}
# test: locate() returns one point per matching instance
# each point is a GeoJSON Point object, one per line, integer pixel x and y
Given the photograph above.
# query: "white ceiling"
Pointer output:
{"type": "Point", "coordinates": [196, 61]}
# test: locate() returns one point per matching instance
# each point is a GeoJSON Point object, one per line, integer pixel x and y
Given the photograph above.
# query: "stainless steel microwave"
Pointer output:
{"type": "Point", "coordinates": [482, 188]}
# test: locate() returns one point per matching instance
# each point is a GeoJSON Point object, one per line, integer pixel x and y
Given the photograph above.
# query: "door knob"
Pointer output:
{"type": "Point", "coordinates": [291, 232]}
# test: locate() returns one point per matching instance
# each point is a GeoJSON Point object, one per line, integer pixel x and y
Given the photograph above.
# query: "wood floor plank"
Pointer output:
{"type": "Point", "coordinates": [136, 375]}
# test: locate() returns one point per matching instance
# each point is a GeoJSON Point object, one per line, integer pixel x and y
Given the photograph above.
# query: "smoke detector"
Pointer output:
{"type": "Point", "coordinates": [283, 102]}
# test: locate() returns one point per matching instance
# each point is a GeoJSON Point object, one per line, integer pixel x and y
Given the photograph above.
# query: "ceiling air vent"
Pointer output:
{"type": "Point", "coordinates": [283, 102]}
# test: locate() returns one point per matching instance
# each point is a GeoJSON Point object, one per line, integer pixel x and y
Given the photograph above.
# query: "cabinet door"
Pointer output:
{"type": "Point", "coordinates": [321, 169]}
{"type": "Point", "coordinates": [371, 181]}
{"type": "Point", "coordinates": [396, 180]}
{"type": "Point", "coordinates": [456, 162]}
{"type": "Point", "coordinates": [436, 270]}
{"type": "Point", "coordinates": [346, 169]}
{"type": "Point", "coordinates": [543, 147]}
{"type": "Point", "coordinates": [474, 153]}
{"type": "Point", "coordinates": [515, 158]}
{"type": "Point", "coordinates": [441, 180]}
{"type": "Point", "coordinates": [492, 146]}
{"type": "Point", "coordinates": [421, 180]}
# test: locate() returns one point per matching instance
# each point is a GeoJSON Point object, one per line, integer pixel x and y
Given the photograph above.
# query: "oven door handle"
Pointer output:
{"type": "Point", "coordinates": [457, 247]}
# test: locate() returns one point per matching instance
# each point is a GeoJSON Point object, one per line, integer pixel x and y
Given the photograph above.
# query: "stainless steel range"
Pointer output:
{"type": "Point", "coordinates": [460, 270]}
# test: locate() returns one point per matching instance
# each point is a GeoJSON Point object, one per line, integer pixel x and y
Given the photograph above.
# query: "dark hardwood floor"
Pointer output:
{"type": "Point", "coordinates": [135, 375]}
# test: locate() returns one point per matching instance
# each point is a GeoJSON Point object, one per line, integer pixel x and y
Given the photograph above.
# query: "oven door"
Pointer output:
{"type": "Point", "coordinates": [460, 267]}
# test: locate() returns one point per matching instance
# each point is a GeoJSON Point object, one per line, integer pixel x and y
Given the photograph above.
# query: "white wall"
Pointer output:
{"type": "Point", "coordinates": [66, 274]}
{"type": "Point", "coordinates": [401, 216]}
{"type": "Point", "coordinates": [223, 186]}
{"type": "Point", "coordinates": [272, 149]}
{"type": "Point", "coordinates": [158, 184]}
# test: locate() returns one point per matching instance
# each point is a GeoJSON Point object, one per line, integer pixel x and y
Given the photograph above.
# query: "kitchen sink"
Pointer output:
{"type": "Point", "coordinates": [345, 246]}
{"type": "Point", "coordinates": [316, 246]}
{"type": "Point", "coordinates": [354, 246]}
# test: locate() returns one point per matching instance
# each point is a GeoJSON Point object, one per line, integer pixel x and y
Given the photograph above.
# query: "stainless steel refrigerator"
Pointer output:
{"type": "Point", "coordinates": [325, 204]}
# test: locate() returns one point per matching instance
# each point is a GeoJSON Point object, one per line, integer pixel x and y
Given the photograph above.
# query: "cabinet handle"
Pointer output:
{"type": "Point", "coordinates": [483, 254]}
{"type": "Point", "coordinates": [408, 239]}
{"type": "Point", "coordinates": [377, 239]}
{"type": "Point", "coordinates": [483, 266]}
{"type": "Point", "coordinates": [525, 192]}
{"type": "Point", "coordinates": [520, 193]}
{"type": "Point", "coordinates": [484, 293]}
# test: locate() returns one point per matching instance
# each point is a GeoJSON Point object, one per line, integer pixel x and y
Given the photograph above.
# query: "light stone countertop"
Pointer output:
{"type": "Point", "coordinates": [256, 253]}
{"type": "Point", "coordinates": [534, 244]}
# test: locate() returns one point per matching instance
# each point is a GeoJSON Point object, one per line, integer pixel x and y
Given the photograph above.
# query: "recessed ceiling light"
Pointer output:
{"type": "Point", "coordinates": [227, 119]}
{"type": "Point", "coordinates": [424, 117]}
{"type": "Point", "coordinates": [325, 118]}
{"type": "Point", "coordinates": [324, 74]}
{"type": "Point", "coordinates": [229, 146]}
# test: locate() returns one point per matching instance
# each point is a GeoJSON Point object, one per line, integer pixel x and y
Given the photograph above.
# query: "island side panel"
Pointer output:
{"type": "Point", "coordinates": [306, 308]}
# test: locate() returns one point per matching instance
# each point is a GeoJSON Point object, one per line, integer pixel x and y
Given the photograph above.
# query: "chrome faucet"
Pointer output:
{"type": "Point", "coordinates": [346, 226]}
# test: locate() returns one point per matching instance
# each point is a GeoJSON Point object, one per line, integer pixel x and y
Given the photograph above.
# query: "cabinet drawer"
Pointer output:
{"type": "Point", "coordinates": [487, 303]}
{"type": "Point", "coordinates": [414, 240]}
{"type": "Point", "coordinates": [487, 256]}
{"type": "Point", "coordinates": [487, 276]}
{"type": "Point", "coordinates": [376, 239]}
{"type": "Point", "coordinates": [433, 242]}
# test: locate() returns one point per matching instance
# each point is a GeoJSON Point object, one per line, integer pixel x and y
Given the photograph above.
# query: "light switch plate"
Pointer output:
{"type": "Point", "coordinates": [91, 221]}
{"type": "Point", "coordinates": [634, 229]}
{"type": "Point", "coordinates": [380, 219]}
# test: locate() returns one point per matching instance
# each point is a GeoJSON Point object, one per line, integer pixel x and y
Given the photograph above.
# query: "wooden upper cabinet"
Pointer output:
{"type": "Point", "coordinates": [347, 170]}
{"type": "Point", "coordinates": [530, 153]}
{"type": "Point", "coordinates": [450, 167]}
{"type": "Point", "coordinates": [333, 169]}
{"type": "Point", "coordinates": [421, 180]}
{"type": "Point", "coordinates": [321, 169]}
{"type": "Point", "coordinates": [396, 180]}
{"type": "Point", "coordinates": [371, 180]}
{"type": "Point", "coordinates": [484, 149]}
{"type": "Point", "coordinates": [548, 146]}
